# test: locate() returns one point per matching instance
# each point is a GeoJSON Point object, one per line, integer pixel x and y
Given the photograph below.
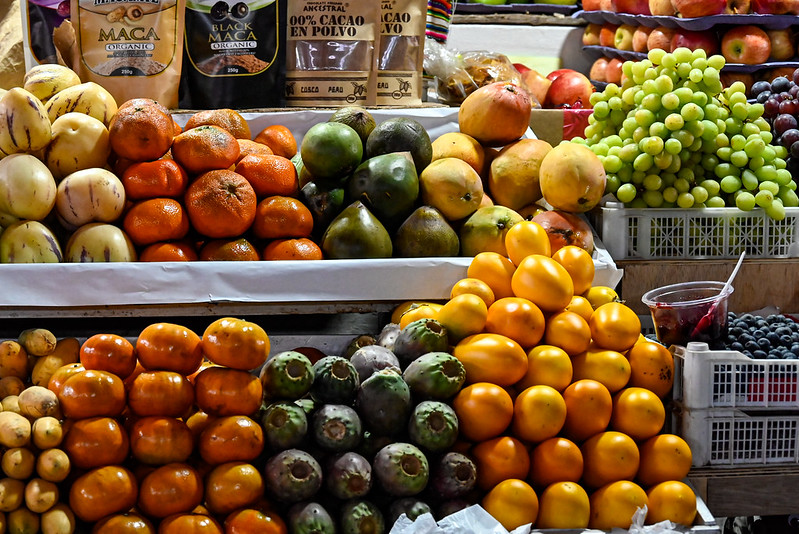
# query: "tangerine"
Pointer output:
{"type": "Point", "coordinates": [239, 249]}
{"type": "Point", "coordinates": [229, 119]}
{"type": "Point", "coordinates": [269, 174]}
{"type": "Point", "coordinates": [249, 147]}
{"type": "Point", "coordinates": [279, 139]}
{"type": "Point", "coordinates": [150, 179]}
{"type": "Point", "coordinates": [169, 251]}
{"type": "Point", "coordinates": [221, 203]}
{"type": "Point", "coordinates": [282, 216]}
{"type": "Point", "coordinates": [205, 148]}
{"type": "Point", "coordinates": [292, 249]}
{"type": "Point", "coordinates": [141, 130]}
{"type": "Point", "coordinates": [156, 219]}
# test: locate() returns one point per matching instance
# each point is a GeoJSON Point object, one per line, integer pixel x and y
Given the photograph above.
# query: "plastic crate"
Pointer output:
{"type": "Point", "coordinates": [707, 379]}
{"type": "Point", "coordinates": [733, 438]}
{"type": "Point", "coordinates": [671, 233]}
{"type": "Point", "coordinates": [734, 410]}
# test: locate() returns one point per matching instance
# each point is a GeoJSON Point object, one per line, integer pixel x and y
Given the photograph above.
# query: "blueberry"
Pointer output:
{"type": "Point", "coordinates": [735, 331]}
{"type": "Point", "coordinates": [758, 334]}
{"type": "Point", "coordinates": [773, 338]}
{"type": "Point", "coordinates": [772, 356]}
{"type": "Point", "coordinates": [737, 345]}
{"type": "Point", "coordinates": [747, 354]}
{"type": "Point", "coordinates": [795, 337]}
{"type": "Point", "coordinates": [751, 346]}
{"type": "Point", "coordinates": [764, 343]}
{"type": "Point", "coordinates": [746, 317]}
{"type": "Point", "coordinates": [783, 331]}
{"type": "Point", "coordinates": [790, 356]}
{"type": "Point", "coordinates": [761, 323]}
{"type": "Point", "coordinates": [759, 354]}
{"type": "Point", "coordinates": [785, 341]}
{"type": "Point", "coordinates": [743, 338]}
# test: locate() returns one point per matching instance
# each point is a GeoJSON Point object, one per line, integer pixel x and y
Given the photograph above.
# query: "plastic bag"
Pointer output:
{"type": "Point", "coordinates": [458, 74]}
{"type": "Point", "coordinates": [471, 520]}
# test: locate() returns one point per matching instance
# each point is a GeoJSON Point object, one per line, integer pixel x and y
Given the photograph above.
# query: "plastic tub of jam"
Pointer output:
{"type": "Point", "coordinates": [689, 311]}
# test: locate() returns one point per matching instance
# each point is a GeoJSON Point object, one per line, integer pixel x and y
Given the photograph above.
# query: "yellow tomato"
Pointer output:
{"type": "Point", "coordinates": [609, 367]}
{"type": "Point", "coordinates": [525, 238]}
{"type": "Point", "coordinates": [491, 358]}
{"type": "Point", "coordinates": [615, 326]}
{"type": "Point", "coordinates": [609, 456]}
{"type": "Point", "coordinates": [464, 315]}
{"type": "Point", "coordinates": [475, 287]}
{"type": "Point", "coordinates": [613, 505]}
{"type": "Point", "coordinates": [638, 413]}
{"type": "Point", "coordinates": [568, 331]}
{"type": "Point", "coordinates": [563, 505]}
{"type": "Point", "coordinates": [518, 319]}
{"type": "Point", "coordinates": [495, 270]}
{"type": "Point", "coordinates": [599, 295]}
{"type": "Point", "coordinates": [580, 265]}
{"type": "Point", "coordinates": [673, 500]}
{"type": "Point", "coordinates": [421, 311]}
{"type": "Point", "coordinates": [543, 281]}
{"type": "Point", "coordinates": [539, 413]}
{"type": "Point", "coordinates": [651, 367]}
{"type": "Point", "coordinates": [547, 365]}
{"type": "Point", "coordinates": [512, 502]}
{"type": "Point", "coordinates": [581, 307]}
{"type": "Point", "coordinates": [663, 457]}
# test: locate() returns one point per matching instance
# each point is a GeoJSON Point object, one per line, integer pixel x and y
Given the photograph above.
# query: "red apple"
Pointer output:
{"type": "Point", "coordinates": [599, 69]}
{"type": "Point", "coordinates": [738, 7]}
{"type": "Point", "coordinates": [570, 89]}
{"type": "Point", "coordinates": [663, 8]}
{"type": "Point", "coordinates": [775, 7]}
{"type": "Point", "coordinates": [623, 38]}
{"type": "Point", "coordinates": [728, 78]}
{"type": "Point", "coordinates": [537, 84]}
{"type": "Point", "coordinates": [635, 7]}
{"type": "Point", "coordinates": [782, 44]}
{"type": "Point", "coordinates": [591, 34]}
{"type": "Point", "coordinates": [640, 36]}
{"type": "Point", "coordinates": [607, 35]}
{"type": "Point", "coordinates": [555, 73]}
{"type": "Point", "coordinates": [706, 40]}
{"type": "Point", "coordinates": [699, 8]}
{"type": "Point", "coordinates": [746, 44]}
{"type": "Point", "coordinates": [613, 71]}
{"type": "Point", "coordinates": [590, 5]}
{"type": "Point", "coordinates": [660, 37]}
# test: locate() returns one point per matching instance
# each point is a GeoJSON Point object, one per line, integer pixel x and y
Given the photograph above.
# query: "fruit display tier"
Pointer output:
{"type": "Point", "coordinates": [771, 22]}
{"type": "Point", "coordinates": [630, 55]}
{"type": "Point", "coordinates": [484, 9]}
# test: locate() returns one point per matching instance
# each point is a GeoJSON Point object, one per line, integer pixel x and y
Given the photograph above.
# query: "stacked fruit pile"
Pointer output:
{"type": "Point", "coordinates": [671, 136]}
{"type": "Point", "coordinates": [562, 410]}
{"type": "Point", "coordinates": [82, 179]}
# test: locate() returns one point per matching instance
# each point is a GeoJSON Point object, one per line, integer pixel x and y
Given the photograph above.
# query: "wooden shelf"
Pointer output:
{"type": "Point", "coordinates": [750, 491]}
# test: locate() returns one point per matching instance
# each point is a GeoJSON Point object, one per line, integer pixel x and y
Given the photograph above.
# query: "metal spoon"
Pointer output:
{"type": "Point", "coordinates": [707, 319]}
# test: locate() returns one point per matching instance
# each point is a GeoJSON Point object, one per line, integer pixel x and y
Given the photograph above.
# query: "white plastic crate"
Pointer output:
{"type": "Point", "coordinates": [672, 233]}
{"type": "Point", "coordinates": [726, 437]}
{"type": "Point", "coordinates": [734, 410]}
{"type": "Point", "coordinates": [707, 379]}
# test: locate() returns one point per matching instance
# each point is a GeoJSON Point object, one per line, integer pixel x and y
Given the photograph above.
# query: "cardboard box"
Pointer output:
{"type": "Point", "coordinates": [555, 125]}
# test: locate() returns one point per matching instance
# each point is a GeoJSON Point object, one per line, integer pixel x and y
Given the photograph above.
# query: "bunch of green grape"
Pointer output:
{"type": "Point", "coordinates": [673, 136]}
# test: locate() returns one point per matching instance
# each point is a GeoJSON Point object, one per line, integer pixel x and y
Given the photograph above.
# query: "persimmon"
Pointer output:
{"type": "Point", "coordinates": [231, 486]}
{"type": "Point", "coordinates": [109, 352]}
{"type": "Point", "coordinates": [124, 523]}
{"type": "Point", "coordinates": [225, 391]}
{"type": "Point", "coordinates": [236, 343]}
{"type": "Point", "coordinates": [92, 393]}
{"type": "Point", "coordinates": [157, 492]}
{"type": "Point", "coordinates": [164, 393]}
{"type": "Point", "coordinates": [231, 438]}
{"type": "Point", "coordinates": [192, 523]}
{"type": "Point", "coordinates": [169, 347]}
{"type": "Point", "coordinates": [103, 491]}
{"type": "Point", "coordinates": [255, 521]}
{"type": "Point", "coordinates": [160, 440]}
{"type": "Point", "coordinates": [95, 442]}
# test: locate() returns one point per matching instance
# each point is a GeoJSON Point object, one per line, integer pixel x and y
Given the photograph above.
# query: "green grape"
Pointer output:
{"type": "Point", "coordinates": [683, 54]}
{"type": "Point", "coordinates": [724, 153]}
{"type": "Point", "coordinates": [696, 128]}
{"type": "Point", "coordinates": [685, 200]}
{"type": "Point", "coordinates": [756, 162]}
{"type": "Point", "coordinates": [724, 169]}
{"type": "Point", "coordinates": [730, 184]}
{"type": "Point", "coordinates": [596, 98]}
{"type": "Point", "coordinates": [601, 110]}
{"type": "Point", "coordinates": [663, 84]}
{"type": "Point", "coordinates": [740, 111]}
{"type": "Point", "coordinates": [670, 194]}
{"type": "Point", "coordinates": [692, 112]}
{"type": "Point", "coordinates": [775, 210]}
{"type": "Point", "coordinates": [780, 151]}
{"type": "Point", "coordinates": [715, 202]}
{"type": "Point", "coordinates": [699, 63]}
{"type": "Point", "coordinates": [716, 62]}
{"type": "Point", "coordinates": [627, 69]}
{"type": "Point", "coordinates": [684, 94]}
{"type": "Point", "coordinates": [791, 185]}
{"type": "Point", "coordinates": [709, 130]}
{"type": "Point", "coordinates": [626, 193]}
{"type": "Point", "coordinates": [676, 165]}
{"type": "Point", "coordinates": [722, 140]}
{"type": "Point", "coordinates": [650, 74]}
{"type": "Point", "coordinates": [709, 162]}
{"type": "Point", "coordinates": [674, 121]}
{"type": "Point", "coordinates": [672, 146]}
{"type": "Point", "coordinates": [640, 133]}
{"type": "Point", "coordinates": [739, 158]}
{"type": "Point", "coordinates": [711, 186]}
{"type": "Point", "coordinates": [779, 163]}
{"type": "Point", "coordinates": [593, 129]}
{"type": "Point", "coordinates": [755, 111]}
{"type": "Point", "coordinates": [614, 150]}
{"type": "Point", "coordinates": [772, 187]}
{"type": "Point", "coordinates": [613, 140]}
{"type": "Point", "coordinates": [710, 75]}
{"type": "Point", "coordinates": [658, 129]}
{"type": "Point", "coordinates": [682, 185]}
{"type": "Point", "coordinates": [612, 164]}
{"type": "Point", "coordinates": [711, 112]}
{"type": "Point", "coordinates": [783, 177]}
{"type": "Point", "coordinates": [695, 157]}
{"type": "Point", "coordinates": [762, 124]}
{"type": "Point", "coordinates": [699, 55]}
{"type": "Point", "coordinates": [639, 97]}
{"type": "Point", "coordinates": [640, 67]}
{"type": "Point", "coordinates": [767, 137]}
{"type": "Point", "coordinates": [612, 183]}
{"type": "Point", "coordinates": [766, 173]}
{"type": "Point", "coordinates": [684, 137]}
{"type": "Point", "coordinates": [652, 182]}
{"type": "Point", "coordinates": [644, 117]}
{"type": "Point", "coordinates": [695, 75]}
{"type": "Point", "coordinates": [637, 203]}
{"type": "Point", "coordinates": [616, 117]}
{"type": "Point", "coordinates": [615, 102]}
{"type": "Point", "coordinates": [769, 153]}
{"type": "Point", "coordinates": [668, 61]}
{"type": "Point", "coordinates": [737, 142]}
{"type": "Point", "coordinates": [699, 193]}
{"type": "Point", "coordinates": [643, 162]}
{"type": "Point", "coordinates": [745, 201]}
{"type": "Point", "coordinates": [738, 96]}
{"type": "Point", "coordinates": [630, 124]}
{"type": "Point", "coordinates": [629, 152]}
{"type": "Point", "coordinates": [638, 177]}
{"type": "Point", "coordinates": [652, 198]}
{"type": "Point", "coordinates": [652, 145]}
{"type": "Point", "coordinates": [733, 125]}
{"type": "Point", "coordinates": [764, 198]}
{"type": "Point", "coordinates": [788, 197]}
{"type": "Point", "coordinates": [754, 147]}
{"type": "Point", "coordinates": [721, 125]}
{"type": "Point", "coordinates": [625, 174]}
{"type": "Point", "coordinates": [724, 113]}
{"type": "Point", "coordinates": [649, 87]}
{"type": "Point", "coordinates": [685, 155]}
{"type": "Point", "coordinates": [670, 101]}
{"type": "Point", "coordinates": [663, 160]}
{"type": "Point", "coordinates": [612, 89]}
{"type": "Point", "coordinates": [749, 180]}
{"type": "Point", "coordinates": [600, 149]}
{"type": "Point", "coordinates": [686, 174]}
{"type": "Point", "coordinates": [656, 56]}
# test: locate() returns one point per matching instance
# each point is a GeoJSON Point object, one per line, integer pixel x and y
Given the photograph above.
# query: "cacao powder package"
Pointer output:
{"type": "Point", "coordinates": [401, 53]}
{"type": "Point", "coordinates": [234, 55]}
{"type": "Point", "coordinates": [330, 52]}
{"type": "Point", "coordinates": [132, 48]}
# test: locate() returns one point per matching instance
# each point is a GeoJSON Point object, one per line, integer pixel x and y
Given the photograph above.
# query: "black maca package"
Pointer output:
{"type": "Point", "coordinates": [234, 54]}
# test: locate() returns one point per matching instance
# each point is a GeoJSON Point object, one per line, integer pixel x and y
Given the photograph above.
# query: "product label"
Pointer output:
{"type": "Point", "coordinates": [401, 52]}
{"type": "Point", "coordinates": [123, 38]}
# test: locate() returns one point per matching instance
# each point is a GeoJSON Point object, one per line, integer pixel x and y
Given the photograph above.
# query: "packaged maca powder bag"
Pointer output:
{"type": "Point", "coordinates": [401, 52]}
{"type": "Point", "coordinates": [132, 48]}
{"type": "Point", "coordinates": [234, 54]}
{"type": "Point", "coordinates": [330, 52]}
